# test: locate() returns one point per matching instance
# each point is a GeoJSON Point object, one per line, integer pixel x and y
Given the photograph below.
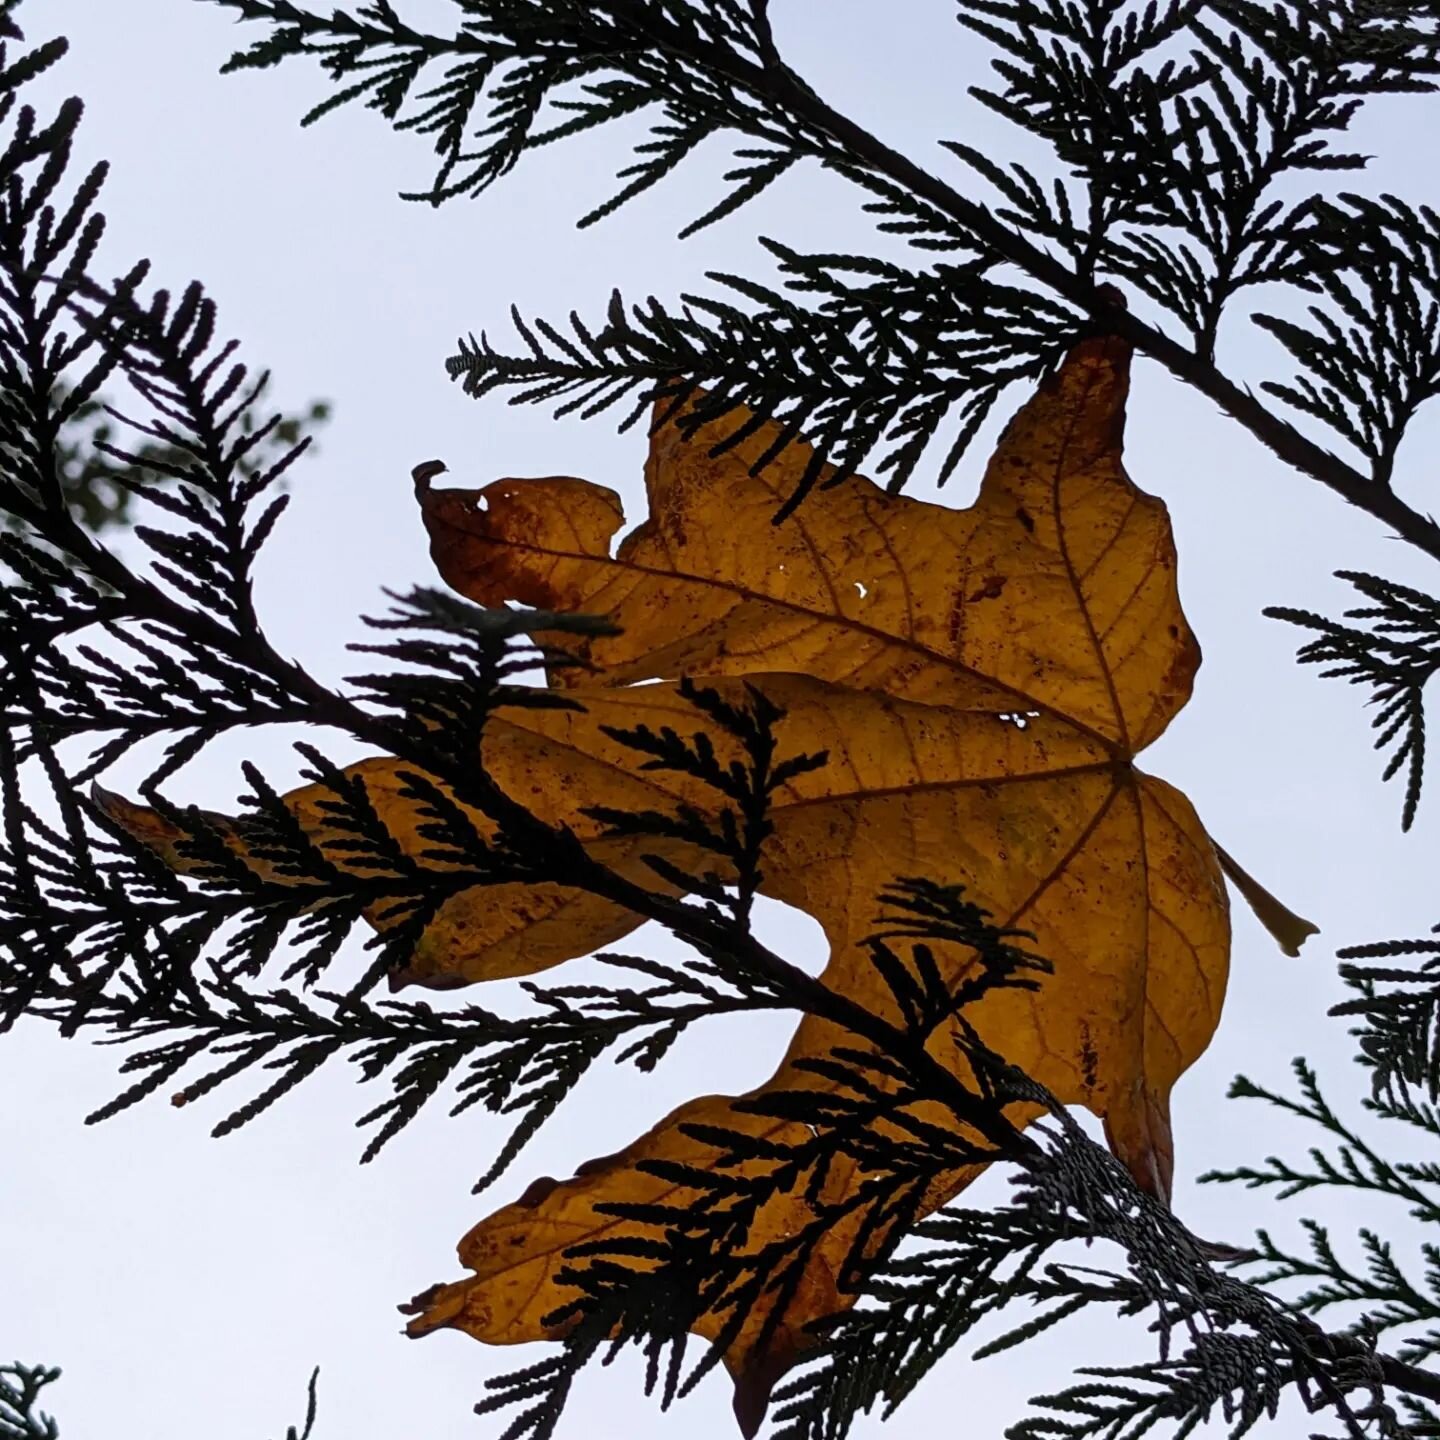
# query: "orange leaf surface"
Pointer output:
{"type": "Point", "coordinates": [982, 680]}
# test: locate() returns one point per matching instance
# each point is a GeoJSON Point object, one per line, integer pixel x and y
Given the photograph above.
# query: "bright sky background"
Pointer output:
{"type": "Point", "coordinates": [188, 1285]}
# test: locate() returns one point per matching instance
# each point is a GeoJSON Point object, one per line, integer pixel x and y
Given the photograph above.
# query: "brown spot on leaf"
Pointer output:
{"type": "Point", "coordinates": [1089, 1059]}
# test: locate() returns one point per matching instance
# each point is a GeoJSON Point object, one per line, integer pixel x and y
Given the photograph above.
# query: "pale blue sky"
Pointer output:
{"type": "Point", "coordinates": [187, 1285]}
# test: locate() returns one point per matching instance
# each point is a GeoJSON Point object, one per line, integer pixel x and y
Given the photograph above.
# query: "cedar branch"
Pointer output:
{"type": "Point", "coordinates": [777, 82]}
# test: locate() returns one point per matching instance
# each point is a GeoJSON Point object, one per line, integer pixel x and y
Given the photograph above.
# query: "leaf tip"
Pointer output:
{"type": "Point", "coordinates": [425, 472]}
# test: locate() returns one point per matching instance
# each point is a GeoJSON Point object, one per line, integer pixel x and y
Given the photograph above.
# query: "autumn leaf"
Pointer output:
{"type": "Point", "coordinates": [982, 681]}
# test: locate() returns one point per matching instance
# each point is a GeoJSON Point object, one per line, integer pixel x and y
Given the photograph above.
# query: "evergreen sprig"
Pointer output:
{"type": "Point", "coordinates": [1403, 24]}
{"type": "Point", "coordinates": [1239, 1351]}
{"type": "Point", "coordinates": [525, 74]}
{"type": "Point", "coordinates": [737, 832]}
{"type": "Point", "coordinates": [1395, 654]}
{"type": "Point", "coordinates": [207, 952]}
{"type": "Point", "coordinates": [522, 1067]}
{"type": "Point", "coordinates": [1400, 1011]}
{"type": "Point", "coordinates": [707, 1250]}
{"type": "Point", "coordinates": [98, 485]}
{"type": "Point", "coordinates": [1375, 1291]}
{"type": "Point", "coordinates": [1177, 132]}
{"type": "Point", "coordinates": [20, 1387]}
{"type": "Point", "coordinates": [269, 881]}
{"type": "Point", "coordinates": [1370, 356]}
{"type": "Point", "coordinates": [871, 363]}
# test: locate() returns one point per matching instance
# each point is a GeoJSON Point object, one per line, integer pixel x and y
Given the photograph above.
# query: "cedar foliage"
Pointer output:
{"type": "Point", "coordinates": [1181, 128]}
{"type": "Point", "coordinates": [96, 484]}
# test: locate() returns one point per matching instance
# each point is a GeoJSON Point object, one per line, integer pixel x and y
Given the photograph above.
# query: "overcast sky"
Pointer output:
{"type": "Point", "coordinates": [188, 1285]}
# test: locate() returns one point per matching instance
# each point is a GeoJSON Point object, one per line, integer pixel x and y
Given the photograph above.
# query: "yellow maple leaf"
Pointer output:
{"type": "Point", "coordinates": [982, 681]}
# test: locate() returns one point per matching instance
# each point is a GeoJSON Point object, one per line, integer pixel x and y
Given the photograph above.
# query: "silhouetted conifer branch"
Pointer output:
{"type": "Point", "coordinates": [1396, 654]}
{"type": "Point", "coordinates": [873, 363]}
{"type": "Point", "coordinates": [1253, 94]}
{"type": "Point", "coordinates": [21, 1387]}
{"type": "Point", "coordinates": [207, 953]}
